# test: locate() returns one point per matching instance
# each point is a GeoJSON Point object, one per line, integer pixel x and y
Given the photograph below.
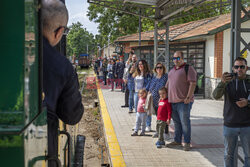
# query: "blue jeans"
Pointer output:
{"type": "Point", "coordinates": [148, 120]}
{"type": "Point", "coordinates": [136, 99]}
{"type": "Point", "coordinates": [140, 121]}
{"type": "Point", "coordinates": [230, 142]}
{"type": "Point", "coordinates": [182, 124]}
{"type": "Point", "coordinates": [131, 100]}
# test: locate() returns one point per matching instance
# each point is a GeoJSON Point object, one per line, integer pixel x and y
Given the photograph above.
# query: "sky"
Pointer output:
{"type": "Point", "coordinates": [78, 12]}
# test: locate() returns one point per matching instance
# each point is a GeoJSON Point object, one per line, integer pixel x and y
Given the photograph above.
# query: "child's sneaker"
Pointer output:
{"type": "Point", "coordinates": [159, 144]}
{"type": "Point", "coordinates": [134, 134]}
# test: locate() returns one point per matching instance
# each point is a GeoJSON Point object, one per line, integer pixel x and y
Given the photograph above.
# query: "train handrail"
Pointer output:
{"type": "Point", "coordinates": [46, 158]}
{"type": "Point", "coordinates": [69, 145]}
{"type": "Point", "coordinates": [58, 162]}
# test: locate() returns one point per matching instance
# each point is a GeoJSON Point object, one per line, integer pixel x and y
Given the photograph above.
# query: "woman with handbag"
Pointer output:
{"type": "Point", "coordinates": [158, 81]}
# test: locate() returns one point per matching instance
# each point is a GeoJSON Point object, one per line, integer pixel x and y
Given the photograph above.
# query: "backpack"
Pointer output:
{"type": "Point", "coordinates": [196, 87]}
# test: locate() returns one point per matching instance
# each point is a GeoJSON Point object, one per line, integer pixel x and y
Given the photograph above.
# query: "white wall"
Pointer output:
{"type": "Point", "coordinates": [210, 81]}
{"type": "Point", "coordinates": [209, 64]}
{"type": "Point", "coordinates": [108, 51]}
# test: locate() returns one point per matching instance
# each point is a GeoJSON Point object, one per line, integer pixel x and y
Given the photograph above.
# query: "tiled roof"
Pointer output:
{"type": "Point", "coordinates": [206, 26]}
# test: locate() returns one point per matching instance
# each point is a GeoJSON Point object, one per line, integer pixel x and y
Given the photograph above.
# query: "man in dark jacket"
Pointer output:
{"type": "Point", "coordinates": [60, 82]}
{"type": "Point", "coordinates": [235, 87]}
{"type": "Point", "coordinates": [96, 66]}
{"type": "Point", "coordinates": [125, 77]}
{"type": "Point", "coordinates": [119, 72]}
{"type": "Point", "coordinates": [104, 70]}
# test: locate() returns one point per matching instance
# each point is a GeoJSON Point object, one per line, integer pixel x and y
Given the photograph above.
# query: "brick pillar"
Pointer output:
{"type": "Point", "coordinates": [218, 55]}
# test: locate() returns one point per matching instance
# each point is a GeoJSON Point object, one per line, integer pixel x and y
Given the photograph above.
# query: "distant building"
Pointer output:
{"type": "Point", "coordinates": [108, 50]}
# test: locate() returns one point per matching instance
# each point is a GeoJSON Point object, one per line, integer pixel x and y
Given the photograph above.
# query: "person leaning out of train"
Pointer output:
{"type": "Point", "coordinates": [60, 81]}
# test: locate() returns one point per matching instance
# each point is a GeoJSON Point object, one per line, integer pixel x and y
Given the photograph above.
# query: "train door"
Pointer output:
{"type": "Point", "coordinates": [23, 124]}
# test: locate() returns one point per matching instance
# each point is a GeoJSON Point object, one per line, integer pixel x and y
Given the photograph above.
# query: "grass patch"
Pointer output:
{"type": "Point", "coordinates": [96, 111]}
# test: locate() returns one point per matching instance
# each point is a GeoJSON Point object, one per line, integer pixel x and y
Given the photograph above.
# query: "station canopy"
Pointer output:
{"type": "Point", "coordinates": [163, 9]}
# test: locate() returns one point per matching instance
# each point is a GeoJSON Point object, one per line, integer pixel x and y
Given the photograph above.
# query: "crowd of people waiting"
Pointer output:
{"type": "Point", "coordinates": [147, 93]}
{"type": "Point", "coordinates": [110, 71]}
{"type": "Point", "coordinates": [171, 96]}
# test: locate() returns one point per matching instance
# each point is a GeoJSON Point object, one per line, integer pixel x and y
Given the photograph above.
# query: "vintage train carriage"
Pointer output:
{"type": "Point", "coordinates": [23, 120]}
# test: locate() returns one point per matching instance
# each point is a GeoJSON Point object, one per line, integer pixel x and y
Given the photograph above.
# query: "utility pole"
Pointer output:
{"type": "Point", "coordinates": [87, 48]}
{"type": "Point", "coordinates": [108, 47]}
{"type": "Point", "coordinates": [140, 33]}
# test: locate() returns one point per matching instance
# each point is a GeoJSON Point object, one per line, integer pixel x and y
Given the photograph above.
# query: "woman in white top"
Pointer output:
{"type": "Point", "coordinates": [142, 77]}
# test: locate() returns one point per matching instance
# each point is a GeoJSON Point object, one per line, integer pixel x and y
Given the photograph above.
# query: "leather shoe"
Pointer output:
{"type": "Point", "coordinates": [124, 106]}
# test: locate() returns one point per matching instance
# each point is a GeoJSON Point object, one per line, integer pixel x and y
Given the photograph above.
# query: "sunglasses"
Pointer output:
{"type": "Point", "coordinates": [176, 58]}
{"type": "Point", "coordinates": [241, 67]}
{"type": "Point", "coordinates": [66, 29]}
{"type": "Point", "coordinates": [160, 67]}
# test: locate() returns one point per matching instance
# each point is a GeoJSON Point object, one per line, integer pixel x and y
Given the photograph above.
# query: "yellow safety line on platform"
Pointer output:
{"type": "Point", "coordinates": [113, 145]}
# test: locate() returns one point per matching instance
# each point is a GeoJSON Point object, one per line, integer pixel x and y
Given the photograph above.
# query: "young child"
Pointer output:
{"type": "Point", "coordinates": [141, 114]}
{"type": "Point", "coordinates": [163, 116]}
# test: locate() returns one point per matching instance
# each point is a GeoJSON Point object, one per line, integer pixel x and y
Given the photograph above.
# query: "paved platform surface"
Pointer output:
{"type": "Point", "coordinates": [207, 139]}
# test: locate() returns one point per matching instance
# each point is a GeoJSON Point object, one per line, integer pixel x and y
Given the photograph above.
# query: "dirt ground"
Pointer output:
{"type": "Point", "coordinates": [95, 152]}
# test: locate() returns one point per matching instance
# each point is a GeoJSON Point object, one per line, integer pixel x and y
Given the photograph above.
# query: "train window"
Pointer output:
{"type": "Point", "coordinates": [19, 69]}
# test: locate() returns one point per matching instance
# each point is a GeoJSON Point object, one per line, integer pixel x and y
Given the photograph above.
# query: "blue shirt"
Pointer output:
{"type": "Point", "coordinates": [155, 85]}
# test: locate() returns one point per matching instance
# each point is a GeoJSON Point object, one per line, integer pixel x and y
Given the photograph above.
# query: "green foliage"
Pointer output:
{"type": "Point", "coordinates": [11, 141]}
{"type": "Point", "coordinates": [11, 118]}
{"type": "Point", "coordinates": [96, 112]}
{"type": "Point", "coordinates": [19, 104]}
{"type": "Point", "coordinates": [114, 24]}
{"type": "Point", "coordinates": [205, 10]}
{"type": "Point", "coordinates": [78, 39]}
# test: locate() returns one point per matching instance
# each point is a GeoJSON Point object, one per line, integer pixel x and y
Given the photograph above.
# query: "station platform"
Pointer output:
{"type": "Point", "coordinates": [125, 150]}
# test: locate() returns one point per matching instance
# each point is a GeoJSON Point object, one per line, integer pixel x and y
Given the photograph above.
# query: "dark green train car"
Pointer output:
{"type": "Point", "coordinates": [23, 125]}
{"type": "Point", "coordinates": [23, 121]}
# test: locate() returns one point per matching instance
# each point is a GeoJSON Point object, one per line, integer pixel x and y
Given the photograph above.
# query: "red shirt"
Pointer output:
{"type": "Point", "coordinates": [164, 110]}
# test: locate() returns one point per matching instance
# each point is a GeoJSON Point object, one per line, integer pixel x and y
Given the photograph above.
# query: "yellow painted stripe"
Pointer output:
{"type": "Point", "coordinates": [113, 145]}
{"type": "Point", "coordinates": [43, 164]}
{"type": "Point", "coordinates": [59, 138]}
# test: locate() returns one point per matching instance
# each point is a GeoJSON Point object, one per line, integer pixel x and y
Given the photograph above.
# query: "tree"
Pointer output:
{"type": "Point", "coordinates": [204, 10]}
{"type": "Point", "coordinates": [79, 39]}
{"type": "Point", "coordinates": [113, 24]}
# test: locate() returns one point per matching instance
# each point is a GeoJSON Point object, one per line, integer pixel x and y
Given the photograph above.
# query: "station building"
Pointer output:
{"type": "Point", "coordinates": [205, 44]}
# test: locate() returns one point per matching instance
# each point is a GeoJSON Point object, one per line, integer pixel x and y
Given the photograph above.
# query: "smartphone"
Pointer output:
{"type": "Point", "coordinates": [233, 75]}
